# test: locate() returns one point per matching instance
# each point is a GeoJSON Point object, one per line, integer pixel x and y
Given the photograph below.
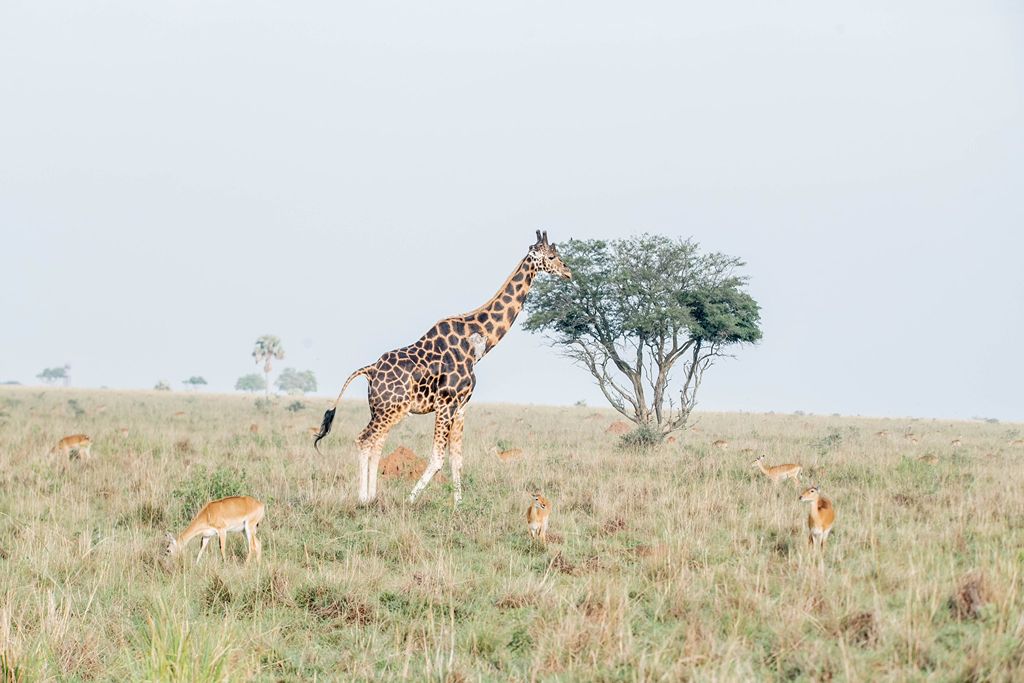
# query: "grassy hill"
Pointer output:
{"type": "Point", "coordinates": [682, 563]}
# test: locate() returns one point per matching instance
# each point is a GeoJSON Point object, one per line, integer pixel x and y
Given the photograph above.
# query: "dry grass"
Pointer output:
{"type": "Point", "coordinates": [679, 564]}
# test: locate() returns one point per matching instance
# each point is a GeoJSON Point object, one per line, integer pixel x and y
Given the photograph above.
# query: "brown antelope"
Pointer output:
{"type": "Point", "coordinates": [779, 473]}
{"type": "Point", "coordinates": [929, 458]}
{"type": "Point", "coordinates": [537, 517]}
{"type": "Point", "coordinates": [508, 453]}
{"type": "Point", "coordinates": [254, 428]}
{"type": "Point", "coordinates": [79, 444]}
{"type": "Point", "coordinates": [124, 432]}
{"type": "Point", "coordinates": [721, 443]}
{"type": "Point", "coordinates": [1017, 442]}
{"type": "Point", "coordinates": [882, 434]}
{"type": "Point", "coordinates": [956, 443]}
{"type": "Point", "coordinates": [218, 518]}
{"type": "Point", "coordinates": [819, 522]}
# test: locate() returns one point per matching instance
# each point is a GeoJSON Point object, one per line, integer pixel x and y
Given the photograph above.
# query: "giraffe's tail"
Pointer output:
{"type": "Point", "coordinates": [325, 427]}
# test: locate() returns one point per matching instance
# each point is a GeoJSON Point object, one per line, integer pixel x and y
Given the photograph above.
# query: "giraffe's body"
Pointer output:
{"type": "Point", "coordinates": [435, 375]}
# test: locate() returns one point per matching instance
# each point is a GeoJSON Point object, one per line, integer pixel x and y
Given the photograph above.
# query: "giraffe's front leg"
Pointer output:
{"type": "Point", "coordinates": [442, 430]}
{"type": "Point", "coordinates": [455, 443]}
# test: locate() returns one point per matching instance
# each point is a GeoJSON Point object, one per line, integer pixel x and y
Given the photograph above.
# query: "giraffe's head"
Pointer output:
{"type": "Point", "coordinates": [545, 257]}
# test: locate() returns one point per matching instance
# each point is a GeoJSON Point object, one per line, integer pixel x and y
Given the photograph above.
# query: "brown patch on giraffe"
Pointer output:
{"type": "Point", "coordinates": [617, 428]}
{"type": "Point", "coordinates": [403, 463]}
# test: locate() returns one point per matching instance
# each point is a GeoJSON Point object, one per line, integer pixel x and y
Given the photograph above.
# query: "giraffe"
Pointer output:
{"type": "Point", "coordinates": [435, 375]}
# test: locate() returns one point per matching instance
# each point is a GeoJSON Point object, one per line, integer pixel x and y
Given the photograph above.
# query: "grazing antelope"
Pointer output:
{"type": "Point", "coordinates": [124, 432]}
{"type": "Point", "coordinates": [218, 518]}
{"type": "Point", "coordinates": [180, 413]}
{"type": "Point", "coordinates": [537, 517]}
{"type": "Point", "coordinates": [882, 434]}
{"type": "Point", "coordinates": [929, 458]}
{"type": "Point", "coordinates": [508, 453]}
{"type": "Point", "coordinates": [779, 473]}
{"type": "Point", "coordinates": [254, 428]}
{"type": "Point", "coordinates": [79, 444]}
{"type": "Point", "coordinates": [819, 522]}
{"type": "Point", "coordinates": [1017, 442]}
{"type": "Point", "coordinates": [956, 443]}
{"type": "Point", "coordinates": [721, 443]}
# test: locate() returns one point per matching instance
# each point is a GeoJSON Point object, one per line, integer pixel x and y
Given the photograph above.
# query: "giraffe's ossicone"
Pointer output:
{"type": "Point", "coordinates": [435, 374]}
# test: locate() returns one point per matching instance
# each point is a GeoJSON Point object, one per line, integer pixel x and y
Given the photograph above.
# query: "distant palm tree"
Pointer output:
{"type": "Point", "coordinates": [268, 347]}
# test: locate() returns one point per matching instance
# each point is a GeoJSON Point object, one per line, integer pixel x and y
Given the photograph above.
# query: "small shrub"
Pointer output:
{"type": "Point", "coordinates": [264, 405]}
{"type": "Point", "coordinates": [521, 640]}
{"type": "Point", "coordinates": [643, 438]}
{"type": "Point", "coordinates": [75, 407]}
{"type": "Point", "coordinates": [202, 486]}
{"type": "Point", "coordinates": [828, 442]}
{"type": "Point", "coordinates": [295, 406]}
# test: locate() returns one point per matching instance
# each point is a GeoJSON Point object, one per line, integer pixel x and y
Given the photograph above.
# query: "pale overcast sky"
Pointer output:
{"type": "Point", "coordinates": [177, 178]}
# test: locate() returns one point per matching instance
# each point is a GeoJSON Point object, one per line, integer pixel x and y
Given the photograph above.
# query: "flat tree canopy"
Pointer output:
{"type": "Point", "coordinates": [634, 309]}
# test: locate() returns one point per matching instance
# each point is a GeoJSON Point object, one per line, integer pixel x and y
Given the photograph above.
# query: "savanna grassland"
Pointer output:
{"type": "Point", "coordinates": [677, 564]}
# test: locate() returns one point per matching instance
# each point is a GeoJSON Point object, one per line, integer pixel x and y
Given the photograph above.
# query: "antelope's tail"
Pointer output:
{"type": "Point", "coordinates": [325, 427]}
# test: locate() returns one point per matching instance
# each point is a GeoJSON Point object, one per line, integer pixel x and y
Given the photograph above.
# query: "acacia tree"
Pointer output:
{"type": "Point", "coordinates": [292, 381]}
{"type": "Point", "coordinates": [250, 382]}
{"type": "Point", "coordinates": [51, 375]}
{"type": "Point", "coordinates": [646, 316]}
{"type": "Point", "coordinates": [195, 381]}
{"type": "Point", "coordinates": [267, 348]}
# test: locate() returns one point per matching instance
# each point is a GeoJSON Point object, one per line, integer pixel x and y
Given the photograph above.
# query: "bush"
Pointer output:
{"type": "Point", "coordinates": [295, 406]}
{"type": "Point", "coordinates": [202, 486]}
{"type": "Point", "coordinates": [643, 438]}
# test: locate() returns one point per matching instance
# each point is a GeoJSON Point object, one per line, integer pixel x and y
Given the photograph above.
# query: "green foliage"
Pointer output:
{"type": "Point", "coordinates": [643, 438]}
{"type": "Point", "coordinates": [51, 375]}
{"type": "Point", "coordinates": [195, 381]}
{"type": "Point", "coordinates": [265, 405]}
{"type": "Point", "coordinates": [292, 381]}
{"type": "Point", "coordinates": [295, 406]}
{"type": "Point", "coordinates": [250, 382]}
{"type": "Point", "coordinates": [162, 386]}
{"type": "Point", "coordinates": [828, 442]}
{"type": "Point", "coordinates": [636, 307]}
{"type": "Point", "coordinates": [76, 409]}
{"type": "Point", "coordinates": [202, 486]}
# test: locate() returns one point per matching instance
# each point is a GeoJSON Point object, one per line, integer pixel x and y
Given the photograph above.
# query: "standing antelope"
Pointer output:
{"type": "Point", "coordinates": [819, 522]}
{"type": "Point", "coordinates": [218, 518]}
{"type": "Point", "coordinates": [76, 443]}
{"type": "Point", "coordinates": [537, 517]}
{"type": "Point", "coordinates": [779, 473]}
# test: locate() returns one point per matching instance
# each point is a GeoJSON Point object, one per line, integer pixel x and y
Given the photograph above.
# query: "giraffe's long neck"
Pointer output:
{"type": "Point", "coordinates": [495, 317]}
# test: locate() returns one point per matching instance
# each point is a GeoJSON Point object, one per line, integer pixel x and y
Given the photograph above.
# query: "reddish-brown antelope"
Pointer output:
{"type": "Point", "coordinates": [720, 443]}
{"type": "Point", "coordinates": [778, 473]}
{"type": "Point", "coordinates": [218, 518]}
{"type": "Point", "coordinates": [819, 522]}
{"type": "Point", "coordinates": [537, 517]}
{"type": "Point", "coordinates": [78, 444]}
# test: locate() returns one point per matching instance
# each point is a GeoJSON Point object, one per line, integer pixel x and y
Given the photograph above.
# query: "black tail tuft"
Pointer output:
{"type": "Point", "coordinates": [325, 428]}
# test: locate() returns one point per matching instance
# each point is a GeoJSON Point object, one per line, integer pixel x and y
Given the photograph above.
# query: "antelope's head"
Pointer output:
{"type": "Point", "coordinates": [172, 545]}
{"type": "Point", "coordinates": [810, 495]}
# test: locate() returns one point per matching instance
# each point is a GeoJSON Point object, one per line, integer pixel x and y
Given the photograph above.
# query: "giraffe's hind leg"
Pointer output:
{"type": "Point", "coordinates": [371, 443]}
